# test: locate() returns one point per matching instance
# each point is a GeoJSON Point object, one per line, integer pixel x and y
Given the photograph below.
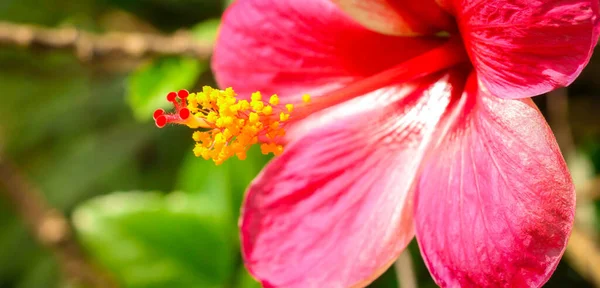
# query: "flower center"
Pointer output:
{"type": "Point", "coordinates": [228, 126]}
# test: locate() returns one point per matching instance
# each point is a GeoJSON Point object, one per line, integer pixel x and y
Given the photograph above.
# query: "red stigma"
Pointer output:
{"type": "Point", "coordinates": [160, 121]}
{"type": "Point", "coordinates": [171, 96]}
{"type": "Point", "coordinates": [183, 93]}
{"type": "Point", "coordinates": [184, 113]}
{"type": "Point", "coordinates": [158, 112]}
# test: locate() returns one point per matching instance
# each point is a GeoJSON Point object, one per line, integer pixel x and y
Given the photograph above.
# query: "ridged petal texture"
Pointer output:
{"type": "Point", "coordinates": [495, 205]}
{"type": "Point", "coordinates": [291, 48]}
{"type": "Point", "coordinates": [335, 209]}
{"type": "Point", "coordinates": [494, 201]}
{"type": "Point", "coordinates": [399, 17]}
{"type": "Point", "coordinates": [523, 48]}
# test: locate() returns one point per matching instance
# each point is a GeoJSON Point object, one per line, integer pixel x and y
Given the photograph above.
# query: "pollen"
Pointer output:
{"type": "Point", "coordinates": [306, 98]}
{"type": "Point", "coordinates": [227, 126]}
{"type": "Point", "coordinates": [289, 107]}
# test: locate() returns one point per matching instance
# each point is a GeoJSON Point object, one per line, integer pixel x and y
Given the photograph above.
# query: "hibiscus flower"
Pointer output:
{"type": "Point", "coordinates": [420, 124]}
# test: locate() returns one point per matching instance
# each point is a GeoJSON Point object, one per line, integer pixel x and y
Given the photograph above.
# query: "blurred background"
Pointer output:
{"type": "Point", "coordinates": [93, 195]}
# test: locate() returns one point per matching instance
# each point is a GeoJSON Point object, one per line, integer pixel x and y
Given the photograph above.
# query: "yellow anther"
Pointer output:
{"type": "Point", "coordinates": [284, 117]}
{"type": "Point", "coordinates": [206, 154]}
{"type": "Point", "coordinates": [278, 150]}
{"type": "Point", "coordinates": [305, 98]}
{"type": "Point", "coordinates": [227, 134]}
{"type": "Point", "coordinates": [229, 92]}
{"type": "Point", "coordinates": [198, 150]}
{"type": "Point", "coordinates": [268, 110]}
{"type": "Point", "coordinates": [212, 117]}
{"type": "Point", "coordinates": [207, 90]}
{"type": "Point", "coordinates": [274, 100]}
{"type": "Point", "coordinates": [256, 96]}
{"type": "Point", "coordinates": [249, 130]}
{"type": "Point", "coordinates": [196, 136]}
{"type": "Point", "coordinates": [266, 148]}
{"type": "Point", "coordinates": [253, 118]}
{"type": "Point", "coordinates": [192, 103]}
{"type": "Point", "coordinates": [219, 123]}
{"type": "Point", "coordinates": [274, 125]}
{"type": "Point", "coordinates": [289, 107]}
{"type": "Point", "coordinates": [241, 155]}
{"type": "Point", "coordinates": [244, 105]}
{"type": "Point", "coordinates": [219, 138]}
{"type": "Point", "coordinates": [257, 106]}
{"type": "Point", "coordinates": [214, 95]}
{"type": "Point", "coordinates": [227, 120]}
{"type": "Point", "coordinates": [201, 99]}
{"type": "Point", "coordinates": [234, 108]}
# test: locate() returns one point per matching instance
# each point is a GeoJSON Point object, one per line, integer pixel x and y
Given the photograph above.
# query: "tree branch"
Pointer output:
{"type": "Point", "coordinates": [49, 226]}
{"type": "Point", "coordinates": [584, 255]}
{"type": "Point", "coordinates": [404, 270]}
{"type": "Point", "coordinates": [558, 117]}
{"type": "Point", "coordinates": [88, 46]}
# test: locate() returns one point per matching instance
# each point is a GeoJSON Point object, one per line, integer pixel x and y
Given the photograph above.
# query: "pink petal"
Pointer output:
{"type": "Point", "coordinates": [495, 207]}
{"type": "Point", "coordinates": [369, 103]}
{"type": "Point", "coordinates": [523, 48]}
{"type": "Point", "coordinates": [335, 209]}
{"type": "Point", "coordinates": [411, 73]}
{"type": "Point", "coordinates": [291, 48]}
{"type": "Point", "coordinates": [399, 17]}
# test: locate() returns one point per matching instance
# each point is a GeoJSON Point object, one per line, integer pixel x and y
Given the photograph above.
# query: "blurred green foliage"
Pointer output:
{"type": "Point", "coordinates": [148, 85]}
{"type": "Point", "coordinates": [152, 240]}
{"type": "Point", "coordinates": [81, 132]}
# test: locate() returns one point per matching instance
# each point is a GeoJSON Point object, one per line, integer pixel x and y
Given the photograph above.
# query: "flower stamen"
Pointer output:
{"type": "Point", "coordinates": [227, 125]}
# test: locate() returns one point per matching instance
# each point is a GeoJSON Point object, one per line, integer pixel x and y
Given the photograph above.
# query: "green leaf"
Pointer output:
{"type": "Point", "coordinates": [245, 280]}
{"type": "Point", "coordinates": [226, 182]}
{"type": "Point", "coordinates": [69, 172]}
{"type": "Point", "coordinates": [206, 30]}
{"type": "Point", "coordinates": [150, 83]}
{"type": "Point", "coordinates": [152, 240]}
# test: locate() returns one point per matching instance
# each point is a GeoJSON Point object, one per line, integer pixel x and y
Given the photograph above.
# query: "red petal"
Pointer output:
{"type": "Point", "coordinates": [399, 17]}
{"type": "Point", "coordinates": [523, 48]}
{"type": "Point", "coordinates": [496, 207]}
{"type": "Point", "coordinates": [291, 48]}
{"type": "Point", "coordinates": [334, 210]}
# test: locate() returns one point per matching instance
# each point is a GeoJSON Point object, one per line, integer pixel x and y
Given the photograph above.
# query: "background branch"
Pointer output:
{"type": "Point", "coordinates": [49, 226]}
{"type": "Point", "coordinates": [558, 117]}
{"type": "Point", "coordinates": [584, 256]}
{"type": "Point", "coordinates": [88, 46]}
{"type": "Point", "coordinates": [404, 270]}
